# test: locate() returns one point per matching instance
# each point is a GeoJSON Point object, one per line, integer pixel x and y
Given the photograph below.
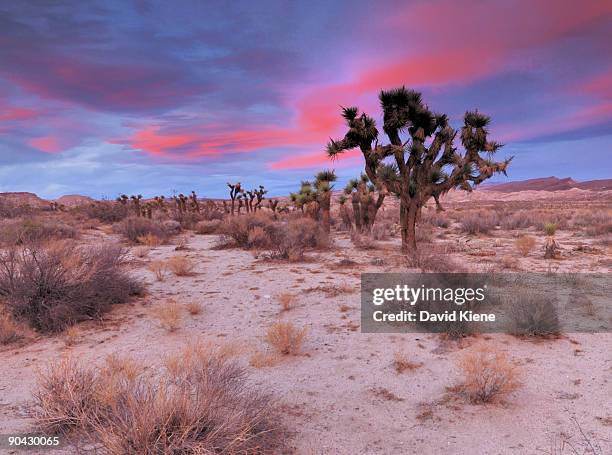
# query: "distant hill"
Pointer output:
{"type": "Point", "coordinates": [73, 200]}
{"type": "Point", "coordinates": [23, 198]}
{"type": "Point", "coordinates": [549, 184]}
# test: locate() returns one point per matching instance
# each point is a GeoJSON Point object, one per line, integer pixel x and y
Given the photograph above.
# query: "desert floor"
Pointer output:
{"type": "Point", "coordinates": [342, 395]}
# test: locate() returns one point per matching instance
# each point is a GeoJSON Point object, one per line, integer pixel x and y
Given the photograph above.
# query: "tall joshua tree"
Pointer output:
{"type": "Point", "coordinates": [259, 194]}
{"type": "Point", "coordinates": [323, 181]}
{"type": "Point", "coordinates": [235, 190]}
{"type": "Point", "coordinates": [422, 146]}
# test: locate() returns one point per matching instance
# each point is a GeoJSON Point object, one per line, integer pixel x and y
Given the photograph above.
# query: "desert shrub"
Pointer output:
{"type": "Point", "coordinates": [402, 363]}
{"type": "Point", "coordinates": [141, 251]}
{"type": "Point", "coordinates": [180, 265]}
{"type": "Point", "coordinates": [480, 222]}
{"type": "Point", "coordinates": [12, 210]}
{"type": "Point", "coordinates": [286, 300]}
{"type": "Point", "coordinates": [208, 227]}
{"type": "Point", "coordinates": [286, 338]}
{"type": "Point", "coordinates": [550, 228]}
{"type": "Point", "coordinates": [532, 314]}
{"type": "Point", "coordinates": [285, 239]}
{"type": "Point", "coordinates": [432, 261]}
{"type": "Point", "coordinates": [206, 406]}
{"type": "Point", "coordinates": [488, 375]}
{"type": "Point", "coordinates": [26, 231]}
{"type": "Point", "coordinates": [436, 219]}
{"type": "Point", "coordinates": [106, 211]}
{"type": "Point", "coordinates": [423, 234]}
{"type": "Point", "coordinates": [362, 242]}
{"type": "Point", "coordinates": [138, 229]}
{"type": "Point", "coordinates": [235, 230]}
{"type": "Point", "coordinates": [159, 269]}
{"type": "Point", "coordinates": [381, 230]}
{"type": "Point", "coordinates": [57, 285]}
{"type": "Point", "coordinates": [171, 227]}
{"type": "Point", "coordinates": [169, 315]}
{"type": "Point", "coordinates": [525, 244]}
{"type": "Point", "coordinates": [517, 220]}
{"type": "Point", "coordinates": [194, 308]}
{"type": "Point", "coordinates": [149, 240]}
{"type": "Point", "coordinates": [10, 331]}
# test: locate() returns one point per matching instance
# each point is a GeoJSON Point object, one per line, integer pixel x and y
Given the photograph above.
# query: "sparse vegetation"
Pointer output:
{"type": "Point", "coordinates": [180, 265]}
{"type": "Point", "coordinates": [55, 286]}
{"type": "Point", "coordinates": [488, 375]}
{"type": "Point", "coordinates": [286, 338]}
{"type": "Point", "coordinates": [525, 245]}
{"type": "Point", "coordinates": [206, 406]}
{"type": "Point", "coordinates": [286, 300]}
{"type": "Point", "coordinates": [532, 314]}
{"type": "Point", "coordinates": [402, 363]}
{"type": "Point", "coordinates": [169, 315]}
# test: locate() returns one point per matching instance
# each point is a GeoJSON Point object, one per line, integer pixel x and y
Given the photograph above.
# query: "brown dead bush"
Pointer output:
{"type": "Point", "coordinates": [34, 230]}
{"type": "Point", "coordinates": [140, 230]}
{"type": "Point", "coordinates": [180, 265]}
{"type": "Point", "coordinates": [159, 269]}
{"type": "Point", "coordinates": [488, 375]}
{"type": "Point", "coordinates": [208, 227]}
{"type": "Point", "coordinates": [525, 245]}
{"type": "Point", "coordinates": [208, 406]}
{"type": "Point", "coordinates": [481, 222]}
{"type": "Point", "coordinates": [10, 331]}
{"type": "Point", "coordinates": [169, 315]}
{"type": "Point", "coordinates": [286, 338]}
{"type": "Point", "coordinates": [57, 285]}
{"type": "Point", "coordinates": [286, 300]}
{"type": "Point", "coordinates": [532, 314]}
{"type": "Point", "coordinates": [402, 363]}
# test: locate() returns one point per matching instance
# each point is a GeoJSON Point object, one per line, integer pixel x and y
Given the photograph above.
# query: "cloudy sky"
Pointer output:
{"type": "Point", "coordinates": [154, 97]}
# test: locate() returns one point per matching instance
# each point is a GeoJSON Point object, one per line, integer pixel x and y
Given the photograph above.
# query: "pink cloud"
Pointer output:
{"type": "Point", "coordinates": [48, 144]}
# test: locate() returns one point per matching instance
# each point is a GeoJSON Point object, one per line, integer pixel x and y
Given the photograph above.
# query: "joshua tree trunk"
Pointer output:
{"type": "Point", "coordinates": [346, 217]}
{"type": "Point", "coordinates": [356, 211]}
{"type": "Point", "coordinates": [324, 207]}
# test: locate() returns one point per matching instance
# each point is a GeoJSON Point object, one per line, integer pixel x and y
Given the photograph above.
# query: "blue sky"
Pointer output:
{"type": "Point", "coordinates": [102, 98]}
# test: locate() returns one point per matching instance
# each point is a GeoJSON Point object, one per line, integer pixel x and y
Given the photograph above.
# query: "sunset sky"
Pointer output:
{"type": "Point", "coordinates": [101, 98]}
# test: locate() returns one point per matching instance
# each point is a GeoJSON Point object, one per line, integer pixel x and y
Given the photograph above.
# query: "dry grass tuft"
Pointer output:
{"type": "Point", "coordinates": [525, 245]}
{"type": "Point", "coordinates": [71, 335]}
{"type": "Point", "coordinates": [141, 251]}
{"type": "Point", "coordinates": [194, 308]}
{"type": "Point", "coordinates": [169, 316]}
{"type": "Point", "coordinates": [286, 300]}
{"type": "Point", "coordinates": [488, 375]}
{"type": "Point", "coordinates": [180, 265]}
{"type": "Point", "coordinates": [10, 331]}
{"type": "Point", "coordinates": [401, 363]}
{"type": "Point", "coordinates": [159, 269]}
{"type": "Point", "coordinates": [263, 359]}
{"type": "Point", "coordinates": [286, 338]}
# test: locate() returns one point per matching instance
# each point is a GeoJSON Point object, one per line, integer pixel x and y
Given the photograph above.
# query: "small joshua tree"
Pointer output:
{"type": "Point", "coordinates": [194, 204]}
{"type": "Point", "coordinates": [136, 204]}
{"type": "Point", "coordinates": [235, 190]}
{"type": "Point", "coordinates": [259, 194]}
{"type": "Point", "coordinates": [323, 181]}
{"type": "Point", "coordinates": [273, 204]}
{"type": "Point", "coordinates": [422, 146]}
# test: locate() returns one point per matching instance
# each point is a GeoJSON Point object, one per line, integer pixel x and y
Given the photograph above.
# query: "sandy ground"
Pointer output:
{"type": "Point", "coordinates": [342, 395]}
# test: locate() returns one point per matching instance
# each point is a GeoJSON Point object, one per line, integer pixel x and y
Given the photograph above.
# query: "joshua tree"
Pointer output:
{"type": "Point", "coordinates": [344, 213]}
{"type": "Point", "coordinates": [259, 193]}
{"type": "Point", "coordinates": [235, 190]}
{"type": "Point", "coordinates": [323, 181]}
{"type": "Point", "coordinates": [428, 165]}
{"type": "Point", "coordinates": [273, 204]}
{"type": "Point", "coordinates": [304, 197]}
{"type": "Point", "coordinates": [123, 199]}
{"type": "Point", "coordinates": [194, 205]}
{"type": "Point", "coordinates": [136, 203]}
